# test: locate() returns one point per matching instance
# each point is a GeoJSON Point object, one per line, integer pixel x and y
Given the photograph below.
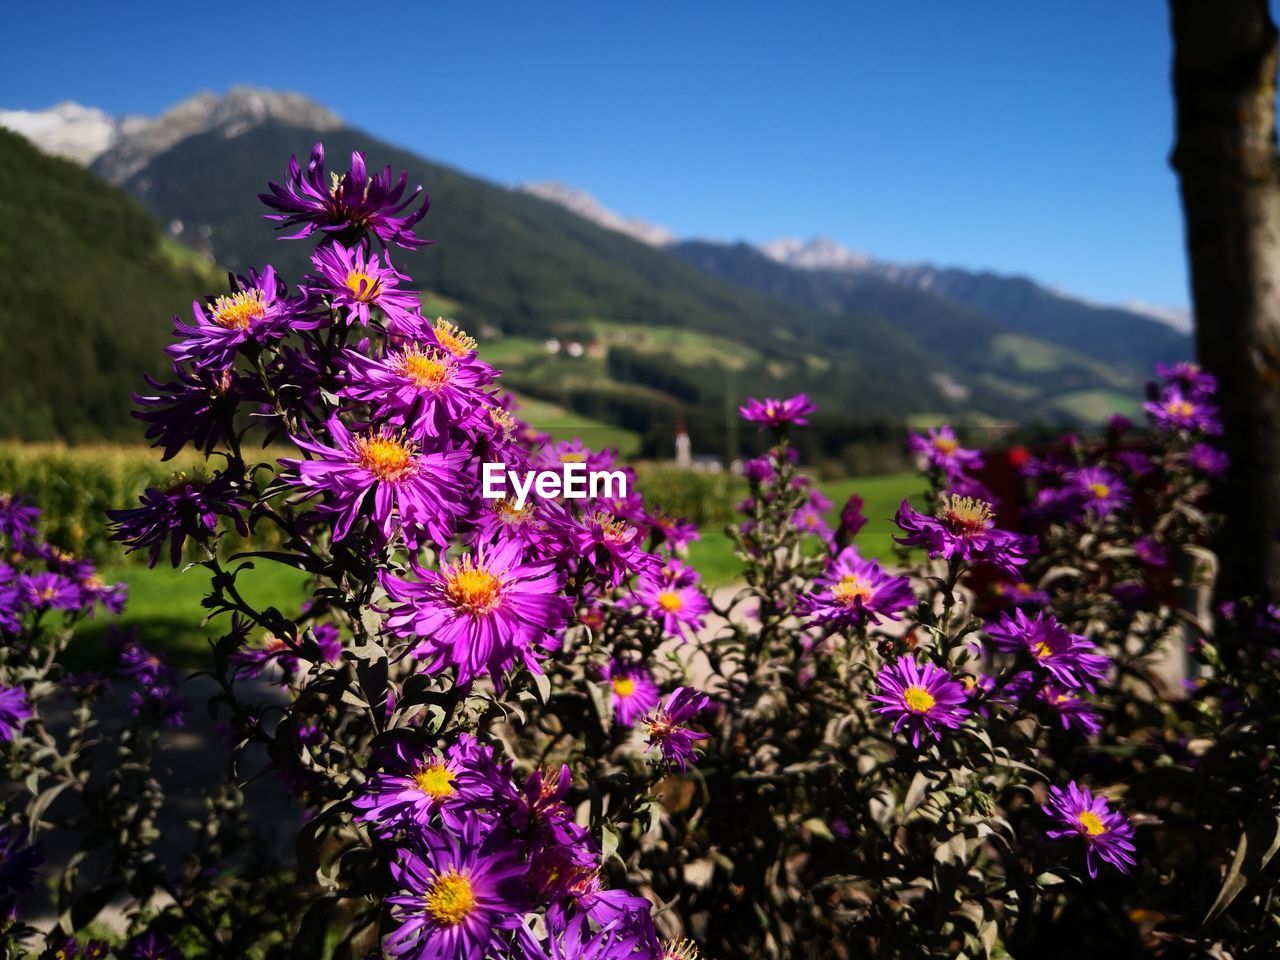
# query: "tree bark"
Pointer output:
{"type": "Point", "coordinates": [1224, 70]}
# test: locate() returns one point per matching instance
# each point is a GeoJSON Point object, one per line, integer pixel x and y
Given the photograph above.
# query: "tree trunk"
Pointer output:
{"type": "Point", "coordinates": [1224, 71]}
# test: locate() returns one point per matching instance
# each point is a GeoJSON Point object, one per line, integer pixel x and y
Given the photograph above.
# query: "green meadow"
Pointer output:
{"type": "Point", "coordinates": [164, 604]}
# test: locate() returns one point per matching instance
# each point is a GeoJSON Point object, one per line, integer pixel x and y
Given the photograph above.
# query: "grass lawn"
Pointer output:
{"type": "Point", "coordinates": [164, 604]}
{"type": "Point", "coordinates": [164, 609]}
{"type": "Point", "coordinates": [713, 556]}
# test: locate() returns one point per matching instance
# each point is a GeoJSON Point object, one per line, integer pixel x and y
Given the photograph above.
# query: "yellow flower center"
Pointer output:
{"type": "Point", "coordinates": [362, 286]}
{"type": "Point", "coordinates": [472, 588]}
{"type": "Point", "coordinates": [390, 459]}
{"type": "Point", "coordinates": [1041, 650]}
{"type": "Point", "coordinates": [241, 310]}
{"type": "Point", "coordinates": [850, 590]}
{"type": "Point", "coordinates": [624, 686]}
{"type": "Point", "coordinates": [451, 338]}
{"type": "Point", "coordinates": [612, 530]}
{"type": "Point", "coordinates": [435, 780]}
{"type": "Point", "coordinates": [1099, 490]}
{"type": "Point", "coordinates": [510, 514]}
{"type": "Point", "coordinates": [504, 421]}
{"type": "Point", "coordinates": [573, 457]}
{"type": "Point", "coordinates": [918, 699]}
{"type": "Point", "coordinates": [965, 516]}
{"type": "Point", "coordinates": [1180, 408]}
{"type": "Point", "coordinates": [426, 369]}
{"type": "Point", "coordinates": [945, 446]}
{"type": "Point", "coordinates": [680, 950]}
{"type": "Point", "coordinates": [670, 601]}
{"type": "Point", "coordinates": [450, 898]}
{"type": "Point", "coordinates": [1091, 822]}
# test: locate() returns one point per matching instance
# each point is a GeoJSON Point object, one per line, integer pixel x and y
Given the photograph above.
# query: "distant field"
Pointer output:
{"type": "Point", "coordinates": [562, 424]}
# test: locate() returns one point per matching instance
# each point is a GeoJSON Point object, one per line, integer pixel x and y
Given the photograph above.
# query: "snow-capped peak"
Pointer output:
{"type": "Point", "coordinates": [69, 129]}
{"type": "Point", "coordinates": [589, 208]}
{"type": "Point", "coordinates": [818, 253]}
{"type": "Point", "coordinates": [126, 144]}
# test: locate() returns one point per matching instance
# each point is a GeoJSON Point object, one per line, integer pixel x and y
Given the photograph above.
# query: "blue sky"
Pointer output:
{"type": "Point", "coordinates": [1025, 137]}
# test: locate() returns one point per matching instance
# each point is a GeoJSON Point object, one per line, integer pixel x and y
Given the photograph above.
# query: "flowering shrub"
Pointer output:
{"type": "Point", "coordinates": [522, 729]}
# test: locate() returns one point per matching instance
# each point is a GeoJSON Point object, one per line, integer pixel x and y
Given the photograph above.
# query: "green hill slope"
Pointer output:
{"type": "Point", "coordinates": [1034, 372]}
{"type": "Point", "coordinates": [89, 288]}
{"type": "Point", "coordinates": [527, 267]}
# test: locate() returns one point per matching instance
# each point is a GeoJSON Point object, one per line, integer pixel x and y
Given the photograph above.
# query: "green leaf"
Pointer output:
{"type": "Point", "coordinates": [1258, 844]}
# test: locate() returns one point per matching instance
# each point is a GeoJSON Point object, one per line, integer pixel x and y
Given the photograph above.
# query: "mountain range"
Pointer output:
{"type": "Point", "coordinates": [683, 327]}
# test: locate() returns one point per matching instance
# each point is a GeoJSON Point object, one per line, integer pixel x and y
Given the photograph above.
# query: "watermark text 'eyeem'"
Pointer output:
{"type": "Point", "coordinates": [573, 481]}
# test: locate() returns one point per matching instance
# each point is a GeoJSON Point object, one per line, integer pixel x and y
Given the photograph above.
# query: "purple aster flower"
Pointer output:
{"type": "Point", "coordinates": [1020, 593]}
{"type": "Point", "coordinates": [677, 573]}
{"type": "Point", "coordinates": [922, 698]}
{"type": "Point", "coordinates": [187, 507]}
{"type": "Point", "coordinates": [537, 525]}
{"type": "Point", "coordinates": [427, 390]}
{"type": "Point", "coordinates": [942, 451]}
{"type": "Point", "coordinates": [775, 413]}
{"type": "Point", "coordinates": [153, 946]}
{"type": "Point", "coordinates": [1151, 552]}
{"type": "Point", "coordinates": [57, 560]}
{"type": "Point", "coordinates": [50, 591]}
{"type": "Point", "coordinates": [159, 703]}
{"type": "Point", "coordinates": [1208, 460]}
{"type": "Point", "coordinates": [1107, 834]}
{"type": "Point", "coordinates": [18, 865]}
{"type": "Point", "coordinates": [112, 596]}
{"type": "Point", "coordinates": [65, 949]}
{"type": "Point", "coordinates": [18, 518]}
{"type": "Point", "coordinates": [1101, 490]}
{"type": "Point", "coordinates": [1059, 504]}
{"type": "Point", "coordinates": [852, 520]}
{"type": "Point", "coordinates": [15, 710]}
{"type": "Point", "coordinates": [758, 470]}
{"type": "Point", "coordinates": [675, 533]}
{"type": "Point", "coordinates": [480, 614]}
{"type": "Point", "coordinates": [138, 663]}
{"type": "Point", "coordinates": [668, 730]}
{"type": "Point", "coordinates": [1189, 377]}
{"type": "Point", "coordinates": [1119, 424]}
{"type": "Point", "coordinates": [610, 546]}
{"type": "Point", "coordinates": [965, 528]}
{"type": "Point", "coordinates": [356, 282]}
{"type": "Point", "coordinates": [288, 656]}
{"type": "Point", "coordinates": [459, 893]}
{"type": "Point", "coordinates": [386, 474]}
{"type": "Point", "coordinates": [554, 457]}
{"type": "Point", "coordinates": [1135, 461]}
{"type": "Point", "coordinates": [1073, 712]}
{"type": "Point", "coordinates": [1071, 659]}
{"type": "Point", "coordinates": [633, 690]}
{"type": "Point", "coordinates": [575, 940]}
{"type": "Point", "coordinates": [197, 409]}
{"type": "Point", "coordinates": [1130, 594]}
{"type": "Point", "coordinates": [257, 310]}
{"type": "Point", "coordinates": [809, 519]}
{"type": "Point", "coordinates": [412, 789]}
{"type": "Point", "coordinates": [348, 208]}
{"type": "Point", "coordinates": [452, 339]}
{"type": "Point", "coordinates": [680, 610]}
{"type": "Point", "coordinates": [1178, 411]}
{"type": "Point", "coordinates": [853, 590]}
